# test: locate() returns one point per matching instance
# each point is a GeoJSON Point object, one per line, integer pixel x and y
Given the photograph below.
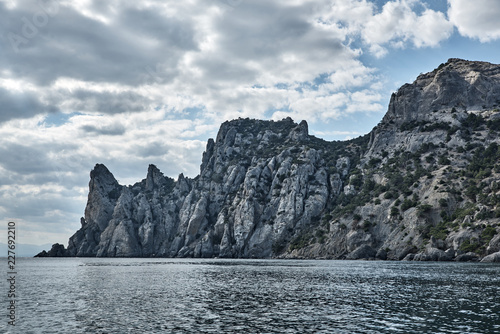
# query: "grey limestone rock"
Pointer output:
{"type": "Point", "coordinates": [467, 257]}
{"type": "Point", "coordinates": [495, 257]}
{"type": "Point", "coordinates": [432, 254]}
{"type": "Point", "coordinates": [362, 252]}
{"type": "Point", "coordinates": [240, 205]}
{"type": "Point", "coordinates": [494, 245]}
{"type": "Point", "coordinates": [422, 185]}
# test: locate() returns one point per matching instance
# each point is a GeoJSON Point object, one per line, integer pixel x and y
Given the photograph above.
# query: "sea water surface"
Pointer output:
{"type": "Point", "coordinates": [88, 295]}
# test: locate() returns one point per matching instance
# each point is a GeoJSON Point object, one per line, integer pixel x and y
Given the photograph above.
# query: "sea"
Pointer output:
{"type": "Point", "coordinates": [130, 295]}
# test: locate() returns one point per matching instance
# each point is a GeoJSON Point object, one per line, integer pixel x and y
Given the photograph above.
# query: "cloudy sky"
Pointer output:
{"type": "Point", "coordinates": [129, 83]}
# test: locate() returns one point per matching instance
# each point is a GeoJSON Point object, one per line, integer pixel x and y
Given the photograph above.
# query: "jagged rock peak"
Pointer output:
{"type": "Point", "coordinates": [458, 83]}
{"type": "Point", "coordinates": [154, 178]}
{"type": "Point", "coordinates": [302, 131]}
{"type": "Point", "coordinates": [99, 169]}
{"type": "Point", "coordinates": [250, 135]}
{"type": "Point", "coordinates": [207, 154]}
{"type": "Point", "coordinates": [101, 175]}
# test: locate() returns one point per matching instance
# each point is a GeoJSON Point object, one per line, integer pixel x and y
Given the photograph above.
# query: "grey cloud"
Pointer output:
{"type": "Point", "coordinates": [229, 69]}
{"type": "Point", "coordinates": [21, 105]}
{"type": "Point", "coordinates": [39, 206]}
{"type": "Point", "coordinates": [13, 178]}
{"type": "Point", "coordinates": [24, 159]}
{"type": "Point", "coordinates": [266, 29]}
{"type": "Point", "coordinates": [154, 149]}
{"type": "Point", "coordinates": [262, 32]}
{"type": "Point", "coordinates": [108, 102]}
{"type": "Point", "coordinates": [72, 45]}
{"type": "Point", "coordinates": [139, 47]}
{"type": "Point", "coordinates": [263, 29]}
{"type": "Point", "coordinates": [109, 130]}
{"type": "Point", "coordinates": [174, 33]}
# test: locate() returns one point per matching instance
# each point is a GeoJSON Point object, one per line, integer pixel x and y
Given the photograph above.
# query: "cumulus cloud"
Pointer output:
{"type": "Point", "coordinates": [224, 57]}
{"type": "Point", "coordinates": [398, 24]}
{"type": "Point", "coordinates": [88, 56]}
{"type": "Point", "coordinates": [431, 28]}
{"type": "Point", "coordinates": [72, 44]}
{"type": "Point", "coordinates": [476, 19]}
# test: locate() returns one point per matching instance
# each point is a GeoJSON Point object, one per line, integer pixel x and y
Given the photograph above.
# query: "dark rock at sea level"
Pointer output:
{"type": "Point", "coordinates": [57, 250]}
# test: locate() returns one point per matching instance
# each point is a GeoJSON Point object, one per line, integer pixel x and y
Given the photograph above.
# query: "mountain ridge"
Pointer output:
{"type": "Point", "coordinates": [422, 185]}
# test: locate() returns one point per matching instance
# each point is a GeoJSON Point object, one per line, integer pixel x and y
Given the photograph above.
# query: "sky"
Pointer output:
{"type": "Point", "coordinates": [133, 83]}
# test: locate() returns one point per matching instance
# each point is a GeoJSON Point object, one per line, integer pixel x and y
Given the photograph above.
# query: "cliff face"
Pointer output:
{"type": "Point", "coordinates": [458, 83]}
{"type": "Point", "coordinates": [259, 183]}
{"type": "Point", "coordinates": [423, 185]}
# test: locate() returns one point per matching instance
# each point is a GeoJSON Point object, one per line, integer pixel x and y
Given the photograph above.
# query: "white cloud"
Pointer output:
{"type": "Point", "coordinates": [364, 101]}
{"type": "Point", "coordinates": [351, 77]}
{"type": "Point", "coordinates": [476, 19]}
{"type": "Point", "coordinates": [346, 134]}
{"type": "Point", "coordinates": [398, 24]}
{"type": "Point", "coordinates": [430, 29]}
{"type": "Point", "coordinates": [378, 51]}
{"type": "Point", "coordinates": [325, 107]}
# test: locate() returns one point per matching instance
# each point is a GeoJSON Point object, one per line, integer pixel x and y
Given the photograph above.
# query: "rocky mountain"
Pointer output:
{"type": "Point", "coordinates": [424, 184]}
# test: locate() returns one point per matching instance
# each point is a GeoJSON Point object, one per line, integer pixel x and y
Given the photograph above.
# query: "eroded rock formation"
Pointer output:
{"type": "Point", "coordinates": [423, 185]}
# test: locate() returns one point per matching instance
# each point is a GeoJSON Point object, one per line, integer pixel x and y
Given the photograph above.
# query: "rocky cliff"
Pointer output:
{"type": "Point", "coordinates": [423, 185]}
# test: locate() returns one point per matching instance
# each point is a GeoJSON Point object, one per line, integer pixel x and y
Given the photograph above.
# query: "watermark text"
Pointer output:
{"type": "Point", "coordinates": [11, 273]}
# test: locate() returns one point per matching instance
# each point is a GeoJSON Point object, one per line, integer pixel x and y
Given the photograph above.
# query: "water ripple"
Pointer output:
{"type": "Point", "coordinates": [252, 296]}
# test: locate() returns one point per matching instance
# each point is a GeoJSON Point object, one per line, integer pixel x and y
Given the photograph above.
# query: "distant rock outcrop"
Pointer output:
{"type": "Point", "coordinates": [57, 250]}
{"type": "Point", "coordinates": [423, 185]}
